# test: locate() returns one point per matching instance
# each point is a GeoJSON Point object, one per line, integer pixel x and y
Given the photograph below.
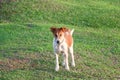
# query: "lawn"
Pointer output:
{"type": "Point", "coordinates": [26, 51]}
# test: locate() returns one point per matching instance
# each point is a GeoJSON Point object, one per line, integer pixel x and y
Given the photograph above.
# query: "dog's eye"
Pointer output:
{"type": "Point", "coordinates": [60, 34]}
{"type": "Point", "coordinates": [55, 35]}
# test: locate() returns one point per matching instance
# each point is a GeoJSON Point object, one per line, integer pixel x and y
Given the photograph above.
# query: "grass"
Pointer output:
{"type": "Point", "coordinates": [97, 13]}
{"type": "Point", "coordinates": [26, 51]}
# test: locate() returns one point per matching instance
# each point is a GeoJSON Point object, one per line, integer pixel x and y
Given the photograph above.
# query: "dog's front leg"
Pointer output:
{"type": "Point", "coordinates": [57, 62]}
{"type": "Point", "coordinates": [63, 64]}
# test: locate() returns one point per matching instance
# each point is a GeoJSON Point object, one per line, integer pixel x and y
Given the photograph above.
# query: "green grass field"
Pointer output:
{"type": "Point", "coordinates": [26, 51]}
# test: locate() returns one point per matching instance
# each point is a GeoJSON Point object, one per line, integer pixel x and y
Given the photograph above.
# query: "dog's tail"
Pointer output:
{"type": "Point", "coordinates": [71, 32]}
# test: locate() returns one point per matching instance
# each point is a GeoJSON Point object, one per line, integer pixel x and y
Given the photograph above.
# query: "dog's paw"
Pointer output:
{"type": "Point", "coordinates": [63, 64]}
{"type": "Point", "coordinates": [67, 68]}
{"type": "Point", "coordinates": [73, 64]}
{"type": "Point", "coordinates": [57, 69]}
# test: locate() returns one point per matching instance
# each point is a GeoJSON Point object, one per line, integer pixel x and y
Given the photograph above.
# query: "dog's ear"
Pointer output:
{"type": "Point", "coordinates": [64, 29]}
{"type": "Point", "coordinates": [53, 29]}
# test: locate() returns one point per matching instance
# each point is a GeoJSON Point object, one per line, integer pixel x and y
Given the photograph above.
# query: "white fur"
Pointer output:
{"type": "Point", "coordinates": [72, 31]}
{"type": "Point", "coordinates": [63, 48]}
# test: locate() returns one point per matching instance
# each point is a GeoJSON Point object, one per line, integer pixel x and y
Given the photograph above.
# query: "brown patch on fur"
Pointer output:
{"type": "Point", "coordinates": [69, 39]}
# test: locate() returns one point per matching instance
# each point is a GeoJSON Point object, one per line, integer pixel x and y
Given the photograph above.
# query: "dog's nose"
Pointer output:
{"type": "Point", "coordinates": [58, 42]}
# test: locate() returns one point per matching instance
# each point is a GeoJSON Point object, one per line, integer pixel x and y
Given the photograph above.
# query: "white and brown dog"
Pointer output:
{"type": "Point", "coordinates": [63, 43]}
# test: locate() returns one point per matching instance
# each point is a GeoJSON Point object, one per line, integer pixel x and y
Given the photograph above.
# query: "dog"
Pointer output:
{"type": "Point", "coordinates": [63, 43]}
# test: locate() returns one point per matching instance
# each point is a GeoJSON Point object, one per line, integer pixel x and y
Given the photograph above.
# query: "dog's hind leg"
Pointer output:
{"type": "Point", "coordinates": [66, 61]}
{"type": "Point", "coordinates": [72, 56]}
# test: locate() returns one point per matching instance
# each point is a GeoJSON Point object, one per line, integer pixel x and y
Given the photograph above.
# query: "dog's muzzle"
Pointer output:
{"type": "Point", "coordinates": [58, 42]}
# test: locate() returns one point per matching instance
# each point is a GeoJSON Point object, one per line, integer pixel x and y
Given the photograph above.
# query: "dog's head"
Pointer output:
{"type": "Point", "coordinates": [58, 34]}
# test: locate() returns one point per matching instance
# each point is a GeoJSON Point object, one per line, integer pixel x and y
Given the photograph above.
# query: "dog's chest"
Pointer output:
{"type": "Point", "coordinates": [60, 48]}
